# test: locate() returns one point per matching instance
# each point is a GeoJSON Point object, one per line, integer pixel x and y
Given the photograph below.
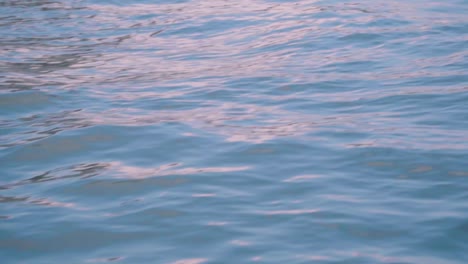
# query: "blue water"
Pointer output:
{"type": "Point", "coordinates": [260, 131]}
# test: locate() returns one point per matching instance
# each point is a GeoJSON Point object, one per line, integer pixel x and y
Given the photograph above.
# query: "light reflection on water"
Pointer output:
{"type": "Point", "coordinates": [192, 131]}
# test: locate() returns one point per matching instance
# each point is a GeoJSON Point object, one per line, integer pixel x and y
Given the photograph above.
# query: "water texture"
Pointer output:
{"type": "Point", "coordinates": [259, 131]}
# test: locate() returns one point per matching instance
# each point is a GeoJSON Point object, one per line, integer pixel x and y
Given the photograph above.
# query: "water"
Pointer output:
{"type": "Point", "coordinates": [190, 131]}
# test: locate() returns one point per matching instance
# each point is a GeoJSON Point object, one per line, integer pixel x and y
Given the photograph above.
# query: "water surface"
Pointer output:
{"type": "Point", "coordinates": [269, 131]}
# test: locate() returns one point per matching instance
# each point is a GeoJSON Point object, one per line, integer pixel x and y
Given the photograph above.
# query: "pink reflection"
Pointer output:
{"type": "Point", "coordinates": [226, 119]}
{"type": "Point", "coordinates": [202, 195]}
{"type": "Point", "coordinates": [215, 223]}
{"type": "Point", "coordinates": [272, 122]}
{"type": "Point", "coordinates": [51, 203]}
{"type": "Point", "coordinates": [241, 243]}
{"type": "Point", "coordinates": [230, 52]}
{"type": "Point", "coordinates": [291, 212]}
{"type": "Point", "coordinates": [274, 46]}
{"type": "Point", "coordinates": [302, 178]}
{"type": "Point", "coordinates": [256, 258]}
{"type": "Point", "coordinates": [135, 172]}
{"type": "Point", "coordinates": [191, 261]}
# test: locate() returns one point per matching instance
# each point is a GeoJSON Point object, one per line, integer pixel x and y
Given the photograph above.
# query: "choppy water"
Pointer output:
{"type": "Point", "coordinates": [189, 132]}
